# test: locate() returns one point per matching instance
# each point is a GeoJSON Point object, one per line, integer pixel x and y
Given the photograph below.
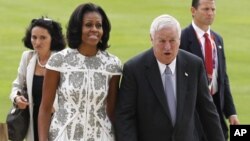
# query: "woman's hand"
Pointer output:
{"type": "Point", "coordinates": [21, 102]}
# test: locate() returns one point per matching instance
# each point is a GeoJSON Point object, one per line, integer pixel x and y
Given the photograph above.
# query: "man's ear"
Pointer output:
{"type": "Point", "coordinates": [193, 10]}
{"type": "Point", "coordinates": [151, 39]}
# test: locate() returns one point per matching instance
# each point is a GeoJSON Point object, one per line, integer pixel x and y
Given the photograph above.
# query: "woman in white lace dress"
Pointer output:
{"type": "Point", "coordinates": [85, 77]}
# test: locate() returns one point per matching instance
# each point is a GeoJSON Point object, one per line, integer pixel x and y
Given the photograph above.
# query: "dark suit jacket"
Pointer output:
{"type": "Point", "coordinates": [223, 99]}
{"type": "Point", "coordinates": [142, 113]}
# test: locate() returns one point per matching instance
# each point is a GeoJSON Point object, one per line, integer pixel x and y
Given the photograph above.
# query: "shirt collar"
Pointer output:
{"type": "Point", "coordinates": [199, 31]}
{"type": "Point", "coordinates": [162, 67]}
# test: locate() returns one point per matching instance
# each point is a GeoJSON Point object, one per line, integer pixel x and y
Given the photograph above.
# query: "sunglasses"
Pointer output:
{"type": "Point", "coordinates": [47, 20]}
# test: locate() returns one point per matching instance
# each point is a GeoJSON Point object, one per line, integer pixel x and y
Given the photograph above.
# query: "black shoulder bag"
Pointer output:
{"type": "Point", "coordinates": [18, 122]}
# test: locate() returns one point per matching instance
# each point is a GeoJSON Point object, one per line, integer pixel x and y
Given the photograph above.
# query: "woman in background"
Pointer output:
{"type": "Point", "coordinates": [43, 37]}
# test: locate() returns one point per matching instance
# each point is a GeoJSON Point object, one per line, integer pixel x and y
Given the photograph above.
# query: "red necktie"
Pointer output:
{"type": "Point", "coordinates": [208, 57]}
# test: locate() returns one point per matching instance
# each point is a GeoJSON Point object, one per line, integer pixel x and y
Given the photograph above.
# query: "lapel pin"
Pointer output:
{"type": "Point", "coordinates": [220, 47]}
{"type": "Point", "coordinates": [186, 74]}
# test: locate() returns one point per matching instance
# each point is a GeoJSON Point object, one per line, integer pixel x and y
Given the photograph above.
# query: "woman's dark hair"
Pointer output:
{"type": "Point", "coordinates": [54, 28]}
{"type": "Point", "coordinates": [74, 29]}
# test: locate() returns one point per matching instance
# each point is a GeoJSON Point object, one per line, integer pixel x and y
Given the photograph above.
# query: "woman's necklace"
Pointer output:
{"type": "Point", "coordinates": [43, 66]}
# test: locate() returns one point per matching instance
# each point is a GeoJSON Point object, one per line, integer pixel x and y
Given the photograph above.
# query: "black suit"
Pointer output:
{"type": "Point", "coordinates": [142, 113]}
{"type": "Point", "coordinates": [223, 98]}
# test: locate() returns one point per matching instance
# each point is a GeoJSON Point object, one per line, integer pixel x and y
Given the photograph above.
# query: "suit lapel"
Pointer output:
{"type": "Point", "coordinates": [219, 49]}
{"type": "Point", "coordinates": [181, 83]}
{"type": "Point", "coordinates": [194, 46]}
{"type": "Point", "coordinates": [154, 78]}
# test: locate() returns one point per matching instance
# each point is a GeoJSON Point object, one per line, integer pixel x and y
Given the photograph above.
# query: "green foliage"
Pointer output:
{"type": "Point", "coordinates": [130, 21]}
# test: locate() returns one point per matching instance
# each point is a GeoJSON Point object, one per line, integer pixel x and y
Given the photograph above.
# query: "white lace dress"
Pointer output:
{"type": "Point", "coordinates": [82, 92]}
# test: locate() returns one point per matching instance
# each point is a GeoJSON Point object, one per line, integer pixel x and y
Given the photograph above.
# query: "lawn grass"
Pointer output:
{"type": "Point", "coordinates": [130, 21]}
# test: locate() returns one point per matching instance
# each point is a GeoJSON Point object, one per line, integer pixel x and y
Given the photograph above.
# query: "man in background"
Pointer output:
{"type": "Point", "coordinates": [200, 40]}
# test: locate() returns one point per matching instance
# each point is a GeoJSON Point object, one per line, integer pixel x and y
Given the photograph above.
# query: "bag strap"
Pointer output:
{"type": "Point", "coordinates": [28, 61]}
{"type": "Point", "coordinates": [25, 85]}
{"type": "Point", "coordinates": [29, 57]}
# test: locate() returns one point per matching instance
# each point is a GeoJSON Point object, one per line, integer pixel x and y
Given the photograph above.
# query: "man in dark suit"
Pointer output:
{"type": "Point", "coordinates": [192, 40]}
{"type": "Point", "coordinates": [143, 110]}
